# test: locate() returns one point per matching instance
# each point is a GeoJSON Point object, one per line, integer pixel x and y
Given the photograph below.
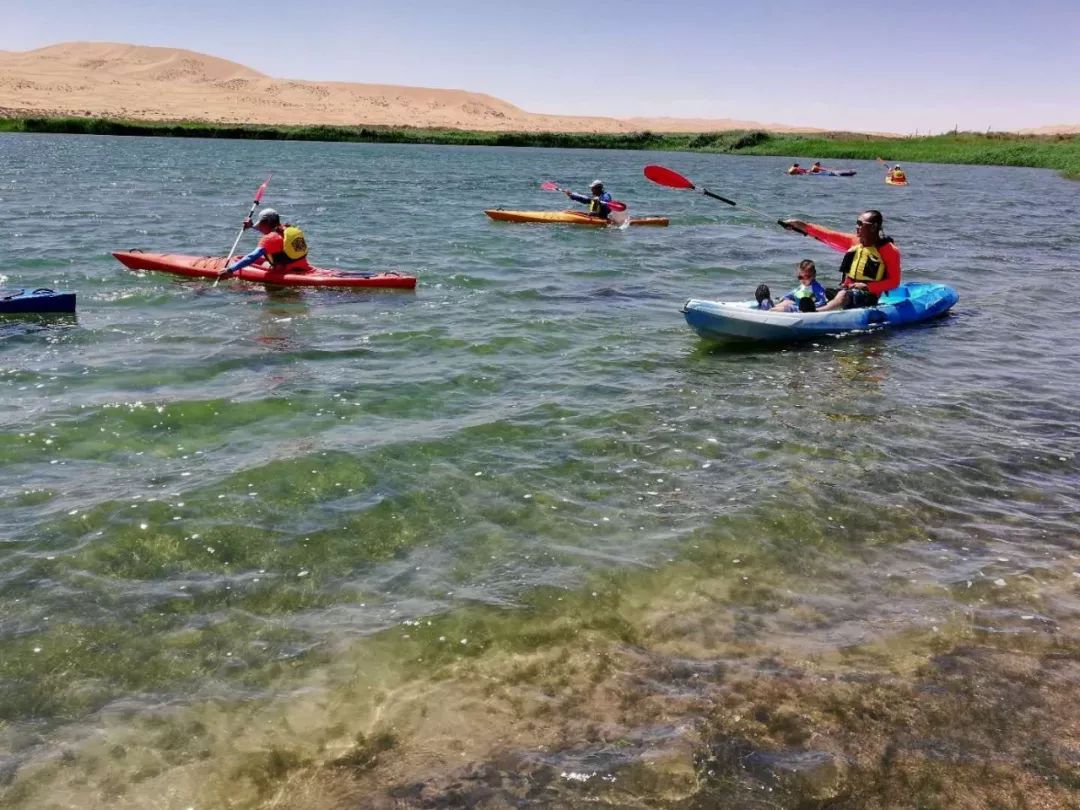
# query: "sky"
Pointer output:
{"type": "Point", "coordinates": [907, 67]}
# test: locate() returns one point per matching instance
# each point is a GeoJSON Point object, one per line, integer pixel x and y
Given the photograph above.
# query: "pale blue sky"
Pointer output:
{"type": "Point", "coordinates": [890, 66]}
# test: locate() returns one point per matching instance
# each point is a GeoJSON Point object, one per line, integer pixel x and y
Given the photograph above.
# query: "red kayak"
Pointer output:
{"type": "Point", "coordinates": [209, 267]}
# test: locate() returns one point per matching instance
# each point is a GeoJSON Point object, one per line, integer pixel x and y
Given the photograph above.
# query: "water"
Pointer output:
{"type": "Point", "coordinates": [221, 504]}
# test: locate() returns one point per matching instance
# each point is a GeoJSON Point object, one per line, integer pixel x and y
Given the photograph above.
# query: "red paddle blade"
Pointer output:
{"type": "Point", "coordinates": [262, 189]}
{"type": "Point", "coordinates": [666, 177]}
{"type": "Point", "coordinates": [549, 186]}
{"type": "Point", "coordinates": [615, 205]}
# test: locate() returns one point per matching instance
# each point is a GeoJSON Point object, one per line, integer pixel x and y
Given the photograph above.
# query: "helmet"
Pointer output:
{"type": "Point", "coordinates": [268, 215]}
{"type": "Point", "coordinates": [897, 166]}
{"type": "Point", "coordinates": [596, 184]}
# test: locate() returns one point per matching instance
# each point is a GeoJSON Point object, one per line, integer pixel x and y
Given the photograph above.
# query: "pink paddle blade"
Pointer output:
{"type": "Point", "coordinates": [666, 177]}
{"type": "Point", "coordinates": [615, 205]}
{"type": "Point", "coordinates": [549, 186]}
{"type": "Point", "coordinates": [262, 189]}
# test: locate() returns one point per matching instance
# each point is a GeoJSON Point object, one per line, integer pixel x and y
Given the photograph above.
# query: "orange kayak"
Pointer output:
{"type": "Point", "coordinates": [209, 267]}
{"type": "Point", "coordinates": [566, 218]}
{"type": "Point", "coordinates": [890, 182]}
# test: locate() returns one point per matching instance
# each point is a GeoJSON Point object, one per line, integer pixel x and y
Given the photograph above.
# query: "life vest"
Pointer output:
{"type": "Point", "coordinates": [899, 175]}
{"type": "Point", "coordinates": [598, 208]}
{"type": "Point", "coordinates": [863, 264]}
{"type": "Point", "coordinates": [799, 170]}
{"type": "Point", "coordinates": [294, 247]}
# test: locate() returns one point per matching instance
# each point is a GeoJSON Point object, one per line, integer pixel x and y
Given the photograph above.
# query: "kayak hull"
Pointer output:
{"type": "Point", "coordinates": [742, 320]}
{"type": "Point", "coordinates": [838, 173]}
{"type": "Point", "coordinates": [890, 182]}
{"type": "Point", "coordinates": [209, 267]}
{"type": "Point", "coordinates": [567, 218]}
{"type": "Point", "coordinates": [40, 300]}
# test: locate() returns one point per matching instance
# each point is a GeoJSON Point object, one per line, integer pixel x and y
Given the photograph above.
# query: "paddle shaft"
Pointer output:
{"type": "Point", "coordinates": [715, 196]}
{"type": "Point", "coordinates": [661, 175]}
{"type": "Point", "coordinates": [614, 205]}
{"type": "Point", "coordinates": [251, 213]}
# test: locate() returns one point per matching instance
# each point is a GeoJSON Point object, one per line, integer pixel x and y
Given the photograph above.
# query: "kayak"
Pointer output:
{"type": "Point", "coordinates": [209, 267]}
{"type": "Point", "coordinates": [566, 218]}
{"type": "Point", "coordinates": [39, 300]}
{"type": "Point", "coordinates": [907, 304]}
{"type": "Point", "coordinates": [890, 182]}
{"type": "Point", "coordinates": [832, 173]}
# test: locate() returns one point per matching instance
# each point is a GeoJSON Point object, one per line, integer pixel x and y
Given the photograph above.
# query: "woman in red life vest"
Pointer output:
{"type": "Point", "coordinates": [283, 246]}
{"type": "Point", "coordinates": [871, 263]}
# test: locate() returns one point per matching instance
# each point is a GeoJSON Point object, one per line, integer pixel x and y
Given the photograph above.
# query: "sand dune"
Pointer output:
{"type": "Point", "coordinates": [113, 80]}
{"type": "Point", "coordinates": [1056, 129]}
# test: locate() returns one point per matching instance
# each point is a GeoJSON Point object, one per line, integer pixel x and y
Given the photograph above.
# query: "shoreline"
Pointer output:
{"type": "Point", "coordinates": [1058, 152]}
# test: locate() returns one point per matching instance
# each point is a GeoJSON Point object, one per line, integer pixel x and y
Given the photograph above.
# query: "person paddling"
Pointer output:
{"type": "Point", "coordinates": [871, 263]}
{"type": "Point", "coordinates": [796, 169]}
{"type": "Point", "coordinates": [597, 200]}
{"type": "Point", "coordinates": [896, 174]}
{"type": "Point", "coordinates": [283, 246]}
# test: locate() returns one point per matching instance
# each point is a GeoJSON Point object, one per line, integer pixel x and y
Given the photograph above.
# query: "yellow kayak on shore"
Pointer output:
{"type": "Point", "coordinates": [566, 218]}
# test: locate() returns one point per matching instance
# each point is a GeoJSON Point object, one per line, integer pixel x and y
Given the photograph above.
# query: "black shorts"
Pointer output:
{"type": "Point", "coordinates": [855, 298]}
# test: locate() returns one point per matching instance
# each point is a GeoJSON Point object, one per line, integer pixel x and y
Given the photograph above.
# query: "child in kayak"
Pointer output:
{"type": "Point", "coordinates": [871, 263]}
{"type": "Point", "coordinates": [597, 200]}
{"type": "Point", "coordinates": [808, 296]}
{"type": "Point", "coordinates": [283, 246]}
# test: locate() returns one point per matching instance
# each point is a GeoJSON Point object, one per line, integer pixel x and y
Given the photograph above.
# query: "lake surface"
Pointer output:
{"type": "Point", "coordinates": [222, 505]}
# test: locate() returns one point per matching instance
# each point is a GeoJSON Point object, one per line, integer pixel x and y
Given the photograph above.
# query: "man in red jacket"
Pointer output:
{"type": "Point", "coordinates": [871, 263]}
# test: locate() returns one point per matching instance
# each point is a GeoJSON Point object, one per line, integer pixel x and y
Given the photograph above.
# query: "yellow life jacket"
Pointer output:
{"type": "Point", "coordinates": [294, 247]}
{"type": "Point", "coordinates": [863, 263]}
{"type": "Point", "coordinates": [899, 175]}
{"type": "Point", "coordinates": [295, 243]}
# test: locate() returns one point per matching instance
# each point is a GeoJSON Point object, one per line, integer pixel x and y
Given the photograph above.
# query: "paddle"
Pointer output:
{"type": "Point", "coordinates": [614, 205]}
{"type": "Point", "coordinates": [672, 179]}
{"type": "Point", "coordinates": [254, 205]}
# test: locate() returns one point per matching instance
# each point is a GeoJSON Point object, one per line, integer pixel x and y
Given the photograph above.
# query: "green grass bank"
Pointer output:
{"type": "Point", "coordinates": [1059, 152]}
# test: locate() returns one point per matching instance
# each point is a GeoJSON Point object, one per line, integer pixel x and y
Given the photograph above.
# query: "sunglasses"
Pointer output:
{"type": "Point", "coordinates": [859, 223]}
{"type": "Point", "coordinates": [803, 277]}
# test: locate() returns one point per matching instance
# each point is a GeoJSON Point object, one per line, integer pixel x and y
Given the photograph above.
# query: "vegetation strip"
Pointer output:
{"type": "Point", "coordinates": [1060, 152]}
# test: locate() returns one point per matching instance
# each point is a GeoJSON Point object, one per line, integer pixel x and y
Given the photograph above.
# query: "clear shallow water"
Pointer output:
{"type": "Point", "coordinates": [201, 484]}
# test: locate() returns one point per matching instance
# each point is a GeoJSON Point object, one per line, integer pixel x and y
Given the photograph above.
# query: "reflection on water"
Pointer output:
{"type": "Point", "coordinates": [279, 319]}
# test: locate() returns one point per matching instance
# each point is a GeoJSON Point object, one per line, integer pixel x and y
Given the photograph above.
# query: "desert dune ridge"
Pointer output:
{"type": "Point", "coordinates": [137, 82]}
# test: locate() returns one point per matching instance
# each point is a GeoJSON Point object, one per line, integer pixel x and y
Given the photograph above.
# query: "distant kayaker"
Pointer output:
{"type": "Point", "coordinates": [796, 169]}
{"type": "Point", "coordinates": [597, 200]}
{"type": "Point", "coordinates": [897, 175]}
{"type": "Point", "coordinates": [871, 263]}
{"type": "Point", "coordinates": [808, 296]}
{"type": "Point", "coordinates": [283, 246]}
{"type": "Point", "coordinates": [817, 168]}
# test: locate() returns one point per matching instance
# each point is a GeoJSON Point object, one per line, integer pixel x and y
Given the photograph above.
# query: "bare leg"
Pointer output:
{"type": "Point", "coordinates": [836, 303]}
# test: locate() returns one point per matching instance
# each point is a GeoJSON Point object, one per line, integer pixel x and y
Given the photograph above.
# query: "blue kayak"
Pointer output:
{"type": "Point", "coordinates": [742, 320]}
{"type": "Point", "coordinates": [39, 300]}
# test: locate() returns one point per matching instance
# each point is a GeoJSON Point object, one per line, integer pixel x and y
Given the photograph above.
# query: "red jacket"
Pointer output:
{"type": "Point", "coordinates": [843, 242]}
